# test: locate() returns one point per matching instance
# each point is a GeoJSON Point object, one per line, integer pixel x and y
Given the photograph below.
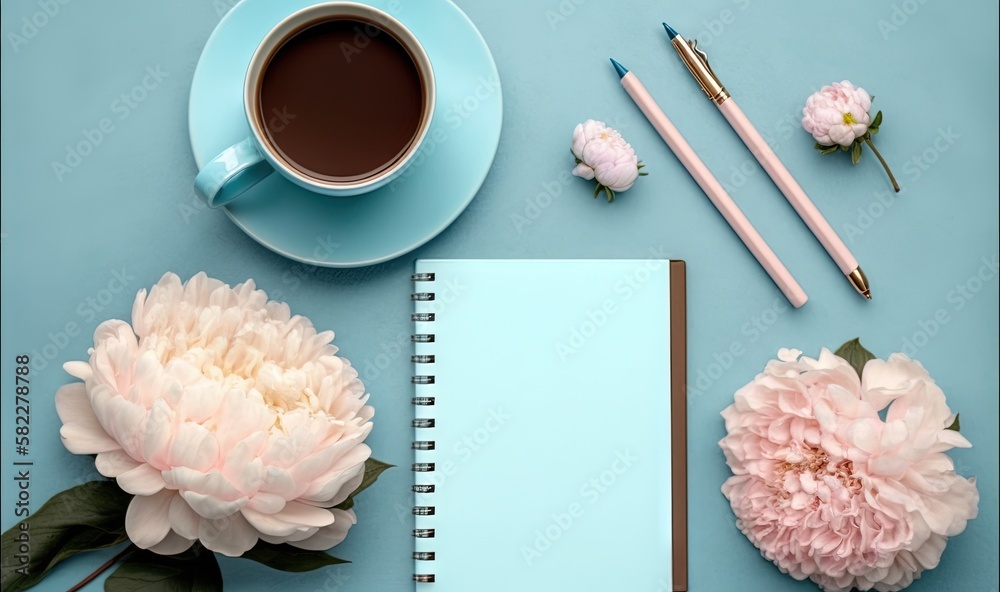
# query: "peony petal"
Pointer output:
{"type": "Point", "coordinates": [268, 525]}
{"type": "Point", "coordinates": [79, 370]}
{"type": "Point", "coordinates": [266, 503]}
{"type": "Point", "coordinates": [865, 433]}
{"type": "Point", "coordinates": [230, 535]}
{"type": "Point", "coordinates": [194, 447]}
{"type": "Point", "coordinates": [211, 495]}
{"type": "Point", "coordinates": [183, 520]}
{"type": "Point", "coordinates": [842, 134]}
{"type": "Point", "coordinates": [81, 433]}
{"type": "Point", "coordinates": [583, 171]}
{"type": "Point", "coordinates": [158, 435]}
{"type": "Point", "coordinates": [949, 439]}
{"type": "Point", "coordinates": [114, 463]}
{"type": "Point", "coordinates": [305, 515]}
{"type": "Point", "coordinates": [142, 480]}
{"type": "Point", "coordinates": [146, 519]}
{"type": "Point", "coordinates": [293, 517]}
{"type": "Point", "coordinates": [212, 507]}
{"type": "Point", "coordinates": [125, 420]}
{"type": "Point", "coordinates": [280, 482]}
{"type": "Point", "coordinates": [888, 466]}
{"type": "Point", "coordinates": [332, 535]}
{"type": "Point", "coordinates": [172, 544]}
{"type": "Point", "coordinates": [349, 487]}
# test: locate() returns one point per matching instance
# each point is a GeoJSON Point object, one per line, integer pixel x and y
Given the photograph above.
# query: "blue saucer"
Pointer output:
{"type": "Point", "coordinates": [391, 221]}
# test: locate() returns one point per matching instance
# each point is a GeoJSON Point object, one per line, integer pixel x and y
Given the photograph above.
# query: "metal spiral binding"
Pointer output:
{"type": "Point", "coordinates": [423, 468]}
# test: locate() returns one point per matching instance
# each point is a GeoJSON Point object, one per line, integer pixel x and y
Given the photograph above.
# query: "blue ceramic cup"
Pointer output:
{"type": "Point", "coordinates": [243, 165]}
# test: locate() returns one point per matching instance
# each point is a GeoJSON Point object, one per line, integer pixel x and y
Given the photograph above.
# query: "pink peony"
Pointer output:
{"type": "Point", "coordinates": [827, 489]}
{"type": "Point", "coordinates": [229, 420]}
{"type": "Point", "coordinates": [837, 114]}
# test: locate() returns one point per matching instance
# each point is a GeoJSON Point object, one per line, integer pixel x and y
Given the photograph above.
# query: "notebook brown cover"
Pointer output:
{"type": "Point", "coordinates": [678, 415]}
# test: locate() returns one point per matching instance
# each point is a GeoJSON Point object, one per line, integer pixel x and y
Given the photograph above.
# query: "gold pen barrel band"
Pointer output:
{"type": "Point", "coordinates": [697, 62]}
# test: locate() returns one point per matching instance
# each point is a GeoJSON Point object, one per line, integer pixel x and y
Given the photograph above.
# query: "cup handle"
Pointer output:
{"type": "Point", "coordinates": [230, 174]}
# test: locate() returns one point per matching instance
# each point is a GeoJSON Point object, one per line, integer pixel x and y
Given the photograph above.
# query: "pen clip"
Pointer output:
{"type": "Point", "coordinates": [693, 43]}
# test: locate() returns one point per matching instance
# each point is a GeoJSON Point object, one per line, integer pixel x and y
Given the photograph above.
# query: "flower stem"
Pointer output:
{"type": "Point", "coordinates": [125, 552]}
{"type": "Point", "coordinates": [871, 145]}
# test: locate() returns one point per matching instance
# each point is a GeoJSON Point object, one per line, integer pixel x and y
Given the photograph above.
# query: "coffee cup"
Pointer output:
{"type": "Point", "coordinates": [338, 97]}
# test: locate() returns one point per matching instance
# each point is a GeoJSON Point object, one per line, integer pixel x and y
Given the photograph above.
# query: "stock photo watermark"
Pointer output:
{"type": "Point", "coordinates": [782, 129]}
{"type": "Point", "coordinates": [485, 91]}
{"type": "Point", "coordinates": [541, 201]}
{"type": "Point", "coordinates": [899, 15]}
{"type": "Point", "coordinates": [598, 316]}
{"type": "Point", "coordinates": [86, 311]}
{"type": "Point", "coordinates": [30, 26]}
{"type": "Point", "coordinates": [751, 331]}
{"type": "Point", "coordinates": [120, 107]}
{"type": "Point", "coordinates": [561, 12]}
{"type": "Point", "coordinates": [914, 168]}
{"type": "Point", "coordinates": [364, 34]}
{"type": "Point", "coordinates": [223, 6]}
{"type": "Point", "coordinates": [390, 352]}
{"type": "Point", "coordinates": [589, 494]}
{"type": "Point", "coordinates": [714, 28]}
{"type": "Point", "coordinates": [462, 452]}
{"type": "Point", "coordinates": [958, 298]}
{"type": "Point", "coordinates": [334, 581]}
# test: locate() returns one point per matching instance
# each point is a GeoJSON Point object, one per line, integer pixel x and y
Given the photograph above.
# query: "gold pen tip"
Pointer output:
{"type": "Point", "coordinates": [860, 282]}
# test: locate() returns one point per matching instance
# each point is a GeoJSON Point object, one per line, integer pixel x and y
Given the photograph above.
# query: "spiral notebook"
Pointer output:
{"type": "Point", "coordinates": [549, 431]}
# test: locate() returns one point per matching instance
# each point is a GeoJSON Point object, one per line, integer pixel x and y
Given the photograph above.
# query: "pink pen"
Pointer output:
{"type": "Point", "coordinates": [697, 62]}
{"type": "Point", "coordinates": [712, 188]}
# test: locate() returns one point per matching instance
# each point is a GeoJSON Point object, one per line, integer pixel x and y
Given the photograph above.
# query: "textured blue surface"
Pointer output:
{"type": "Point", "coordinates": [77, 245]}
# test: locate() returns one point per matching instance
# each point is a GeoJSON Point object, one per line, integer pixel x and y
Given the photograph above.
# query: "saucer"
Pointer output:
{"type": "Point", "coordinates": [388, 222]}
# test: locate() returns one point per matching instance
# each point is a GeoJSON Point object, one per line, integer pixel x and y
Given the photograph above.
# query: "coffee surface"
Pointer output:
{"type": "Point", "coordinates": [341, 100]}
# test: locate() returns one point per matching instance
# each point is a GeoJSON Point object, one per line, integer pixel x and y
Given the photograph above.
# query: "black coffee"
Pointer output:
{"type": "Point", "coordinates": [341, 100]}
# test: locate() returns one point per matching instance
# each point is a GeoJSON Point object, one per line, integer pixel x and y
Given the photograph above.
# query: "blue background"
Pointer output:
{"type": "Point", "coordinates": [128, 209]}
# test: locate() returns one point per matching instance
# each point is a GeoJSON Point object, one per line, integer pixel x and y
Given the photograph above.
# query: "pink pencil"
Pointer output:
{"type": "Point", "coordinates": [712, 188]}
{"type": "Point", "coordinates": [697, 62]}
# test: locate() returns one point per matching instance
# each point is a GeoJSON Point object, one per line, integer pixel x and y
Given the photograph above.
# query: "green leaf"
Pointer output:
{"type": "Point", "coordinates": [856, 152]}
{"type": "Point", "coordinates": [955, 425]}
{"type": "Point", "coordinates": [195, 570]}
{"type": "Point", "coordinates": [829, 149]}
{"type": "Point", "coordinates": [844, 148]}
{"type": "Point", "coordinates": [285, 557]}
{"type": "Point", "coordinates": [855, 354]}
{"type": "Point", "coordinates": [597, 190]}
{"type": "Point", "coordinates": [643, 174]}
{"type": "Point", "coordinates": [610, 194]}
{"type": "Point", "coordinates": [873, 127]}
{"type": "Point", "coordinates": [83, 518]}
{"type": "Point", "coordinates": [373, 468]}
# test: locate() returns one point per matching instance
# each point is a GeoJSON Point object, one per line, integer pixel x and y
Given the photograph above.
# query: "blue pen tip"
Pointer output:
{"type": "Point", "coordinates": [670, 31]}
{"type": "Point", "coordinates": [622, 70]}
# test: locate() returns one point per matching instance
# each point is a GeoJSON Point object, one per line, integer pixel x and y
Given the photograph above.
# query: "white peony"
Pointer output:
{"type": "Point", "coordinates": [837, 114]}
{"type": "Point", "coordinates": [602, 153]}
{"type": "Point", "coordinates": [228, 419]}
